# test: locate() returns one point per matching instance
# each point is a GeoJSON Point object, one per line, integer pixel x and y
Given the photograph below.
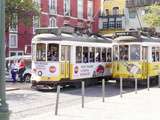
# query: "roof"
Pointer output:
{"type": "Point", "coordinates": [71, 37]}
{"type": "Point", "coordinates": [136, 39]}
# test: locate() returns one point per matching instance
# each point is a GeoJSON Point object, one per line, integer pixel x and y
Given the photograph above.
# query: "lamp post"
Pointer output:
{"type": "Point", "coordinates": [4, 112]}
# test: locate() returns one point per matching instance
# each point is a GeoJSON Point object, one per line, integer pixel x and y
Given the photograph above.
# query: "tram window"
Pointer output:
{"type": "Point", "coordinates": [104, 54]}
{"type": "Point", "coordinates": [53, 52]}
{"type": "Point", "coordinates": [109, 55]}
{"type": "Point", "coordinates": [41, 52]}
{"type": "Point", "coordinates": [134, 52]}
{"type": "Point", "coordinates": [157, 54]}
{"type": "Point", "coordinates": [78, 54]}
{"type": "Point", "coordinates": [92, 54]}
{"type": "Point", "coordinates": [115, 52]}
{"type": "Point", "coordinates": [123, 50]}
{"type": "Point", "coordinates": [98, 54]}
{"type": "Point", "coordinates": [153, 54]}
{"type": "Point", "coordinates": [85, 54]}
{"type": "Point", "coordinates": [144, 53]}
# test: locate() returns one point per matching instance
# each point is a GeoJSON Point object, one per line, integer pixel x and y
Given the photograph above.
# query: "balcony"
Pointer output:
{"type": "Point", "coordinates": [103, 15]}
{"type": "Point", "coordinates": [52, 11]}
{"type": "Point", "coordinates": [140, 3]}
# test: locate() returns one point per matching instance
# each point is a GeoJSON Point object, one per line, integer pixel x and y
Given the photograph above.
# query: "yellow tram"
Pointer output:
{"type": "Point", "coordinates": [135, 56]}
{"type": "Point", "coordinates": [59, 57]}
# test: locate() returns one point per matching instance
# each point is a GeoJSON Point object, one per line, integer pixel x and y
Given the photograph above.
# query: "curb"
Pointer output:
{"type": "Point", "coordinates": [12, 89]}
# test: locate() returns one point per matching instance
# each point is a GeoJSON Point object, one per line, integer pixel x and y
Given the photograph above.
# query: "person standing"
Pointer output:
{"type": "Point", "coordinates": [13, 71]}
{"type": "Point", "coordinates": [22, 68]}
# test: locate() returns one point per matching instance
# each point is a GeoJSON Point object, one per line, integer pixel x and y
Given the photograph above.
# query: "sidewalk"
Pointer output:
{"type": "Point", "coordinates": [141, 106]}
{"type": "Point", "coordinates": [10, 86]}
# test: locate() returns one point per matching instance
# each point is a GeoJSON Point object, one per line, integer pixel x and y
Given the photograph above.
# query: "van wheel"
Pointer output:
{"type": "Point", "coordinates": [27, 78]}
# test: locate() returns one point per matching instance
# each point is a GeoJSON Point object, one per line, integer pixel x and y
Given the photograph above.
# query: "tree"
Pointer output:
{"type": "Point", "coordinates": [152, 18]}
{"type": "Point", "coordinates": [24, 10]}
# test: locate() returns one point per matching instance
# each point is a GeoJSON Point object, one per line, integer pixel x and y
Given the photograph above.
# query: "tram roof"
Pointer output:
{"type": "Point", "coordinates": [70, 37]}
{"type": "Point", "coordinates": [136, 39]}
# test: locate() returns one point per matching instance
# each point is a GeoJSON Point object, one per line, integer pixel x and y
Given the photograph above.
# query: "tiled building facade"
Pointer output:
{"type": "Point", "coordinates": [80, 14]}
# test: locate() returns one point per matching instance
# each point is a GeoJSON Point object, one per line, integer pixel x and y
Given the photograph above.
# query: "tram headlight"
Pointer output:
{"type": "Point", "coordinates": [40, 73]}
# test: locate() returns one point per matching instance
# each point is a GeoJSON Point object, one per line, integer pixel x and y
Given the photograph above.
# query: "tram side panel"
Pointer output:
{"type": "Point", "coordinates": [88, 70]}
{"type": "Point", "coordinates": [46, 71]}
{"type": "Point", "coordinates": [128, 69]}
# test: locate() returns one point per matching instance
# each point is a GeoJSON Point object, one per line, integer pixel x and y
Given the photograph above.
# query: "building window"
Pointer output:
{"type": "Point", "coordinates": [52, 6]}
{"type": "Point", "coordinates": [67, 7]}
{"type": "Point", "coordinates": [52, 22]}
{"type": "Point", "coordinates": [13, 41]}
{"type": "Point", "coordinates": [90, 9]}
{"type": "Point", "coordinates": [132, 13]}
{"type": "Point", "coordinates": [115, 10]}
{"type": "Point", "coordinates": [14, 26]}
{"type": "Point", "coordinates": [107, 12]}
{"type": "Point", "coordinates": [36, 23]}
{"type": "Point", "coordinates": [15, 53]}
{"type": "Point", "coordinates": [111, 24]}
{"type": "Point", "coordinates": [80, 8]}
{"type": "Point", "coordinates": [119, 24]}
{"type": "Point", "coordinates": [105, 25]}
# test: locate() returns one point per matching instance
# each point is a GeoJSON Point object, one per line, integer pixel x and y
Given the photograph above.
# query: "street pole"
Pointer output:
{"type": "Point", "coordinates": [4, 112]}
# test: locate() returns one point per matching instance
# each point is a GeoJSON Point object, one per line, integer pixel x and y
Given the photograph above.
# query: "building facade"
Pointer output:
{"type": "Point", "coordinates": [80, 14]}
{"type": "Point", "coordinates": [112, 16]}
{"type": "Point", "coordinates": [135, 11]}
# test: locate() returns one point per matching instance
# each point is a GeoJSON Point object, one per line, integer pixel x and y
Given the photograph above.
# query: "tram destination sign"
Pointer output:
{"type": "Point", "coordinates": [127, 33]}
{"type": "Point", "coordinates": [55, 30]}
{"type": "Point", "coordinates": [47, 30]}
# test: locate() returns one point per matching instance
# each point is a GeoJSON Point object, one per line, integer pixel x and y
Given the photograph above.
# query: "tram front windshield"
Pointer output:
{"type": "Point", "coordinates": [135, 52]}
{"type": "Point", "coordinates": [48, 52]}
{"type": "Point", "coordinates": [127, 52]}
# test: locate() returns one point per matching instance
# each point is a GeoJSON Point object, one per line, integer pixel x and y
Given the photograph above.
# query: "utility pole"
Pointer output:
{"type": "Point", "coordinates": [4, 111]}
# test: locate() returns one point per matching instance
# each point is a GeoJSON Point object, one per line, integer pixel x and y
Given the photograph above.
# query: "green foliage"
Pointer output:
{"type": "Point", "coordinates": [152, 18]}
{"type": "Point", "coordinates": [24, 9]}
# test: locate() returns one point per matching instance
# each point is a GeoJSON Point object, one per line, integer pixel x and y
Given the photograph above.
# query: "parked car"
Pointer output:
{"type": "Point", "coordinates": [27, 73]}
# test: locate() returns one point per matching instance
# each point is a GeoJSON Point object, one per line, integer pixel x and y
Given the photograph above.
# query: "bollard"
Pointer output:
{"type": "Point", "coordinates": [148, 83]}
{"type": "Point", "coordinates": [57, 100]}
{"type": "Point", "coordinates": [135, 85]}
{"type": "Point", "coordinates": [83, 92]}
{"type": "Point", "coordinates": [121, 87]}
{"type": "Point", "coordinates": [159, 81]}
{"type": "Point", "coordinates": [103, 90]}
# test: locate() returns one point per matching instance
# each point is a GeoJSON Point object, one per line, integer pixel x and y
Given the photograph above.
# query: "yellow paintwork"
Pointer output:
{"type": "Point", "coordinates": [110, 4]}
{"type": "Point", "coordinates": [121, 69]}
{"type": "Point", "coordinates": [110, 31]}
{"type": "Point", "coordinates": [154, 68]}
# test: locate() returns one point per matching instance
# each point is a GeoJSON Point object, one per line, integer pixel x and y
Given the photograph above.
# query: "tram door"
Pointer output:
{"type": "Point", "coordinates": [65, 61]}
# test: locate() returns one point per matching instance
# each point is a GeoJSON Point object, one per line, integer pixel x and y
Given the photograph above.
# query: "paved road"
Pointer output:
{"type": "Point", "coordinates": [27, 102]}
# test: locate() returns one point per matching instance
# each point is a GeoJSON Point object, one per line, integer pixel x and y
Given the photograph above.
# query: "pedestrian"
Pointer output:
{"type": "Point", "coordinates": [13, 71]}
{"type": "Point", "coordinates": [22, 68]}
